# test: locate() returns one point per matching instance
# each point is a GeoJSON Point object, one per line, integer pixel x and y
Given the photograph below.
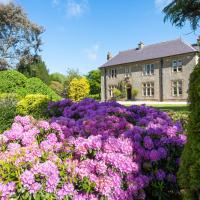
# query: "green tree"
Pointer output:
{"type": "Point", "coordinates": [57, 87]}
{"type": "Point", "coordinates": [180, 11]}
{"type": "Point", "coordinates": [79, 89]}
{"type": "Point", "coordinates": [71, 74]}
{"type": "Point", "coordinates": [94, 78]}
{"type": "Point", "coordinates": [19, 37]}
{"type": "Point", "coordinates": [34, 67]}
{"type": "Point", "coordinates": [58, 77]}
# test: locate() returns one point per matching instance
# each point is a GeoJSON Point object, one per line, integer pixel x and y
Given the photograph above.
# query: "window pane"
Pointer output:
{"type": "Point", "coordinates": [152, 69]}
{"type": "Point", "coordinates": [174, 63]}
{"type": "Point", "coordinates": [175, 91]}
{"type": "Point", "coordinates": [152, 91]}
{"type": "Point", "coordinates": [148, 91]}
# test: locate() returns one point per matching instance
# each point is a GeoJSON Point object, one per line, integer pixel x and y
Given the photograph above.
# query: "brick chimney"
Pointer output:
{"type": "Point", "coordinates": [140, 45]}
{"type": "Point", "coordinates": [198, 40]}
{"type": "Point", "coordinates": [109, 56]}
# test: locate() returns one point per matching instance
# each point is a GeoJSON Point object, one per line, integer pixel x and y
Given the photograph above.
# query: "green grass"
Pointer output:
{"type": "Point", "coordinates": [172, 108]}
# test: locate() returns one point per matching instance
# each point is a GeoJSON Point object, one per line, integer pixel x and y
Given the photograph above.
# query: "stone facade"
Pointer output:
{"type": "Point", "coordinates": [165, 82]}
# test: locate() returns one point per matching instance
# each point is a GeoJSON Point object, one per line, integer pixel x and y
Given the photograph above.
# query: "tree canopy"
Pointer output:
{"type": "Point", "coordinates": [71, 74]}
{"type": "Point", "coordinates": [79, 89]}
{"type": "Point", "coordinates": [35, 67]}
{"type": "Point", "coordinates": [94, 78]}
{"type": "Point", "coordinates": [19, 37]}
{"type": "Point", "coordinates": [58, 77]}
{"type": "Point", "coordinates": [180, 11]}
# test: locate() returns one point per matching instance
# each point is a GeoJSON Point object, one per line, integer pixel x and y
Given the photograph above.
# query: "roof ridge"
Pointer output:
{"type": "Point", "coordinates": [152, 45]}
{"type": "Point", "coordinates": [188, 45]}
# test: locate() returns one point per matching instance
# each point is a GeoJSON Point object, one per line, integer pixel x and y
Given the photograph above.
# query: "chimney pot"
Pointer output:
{"type": "Point", "coordinates": [198, 40]}
{"type": "Point", "coordinates": [109, 56]}
{"type": "Point", "coordinates": [140, 45]}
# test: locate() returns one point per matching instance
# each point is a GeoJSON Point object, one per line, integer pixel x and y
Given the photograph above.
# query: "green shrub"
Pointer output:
{"type": "Point", "coordinates": [36, 86]}
{"type": "Point", "coordinates": [117, 93]}
{"type": "Point", "coordinates": [57, 87]}
{"type": "Point", "coordinates": [11, 80]}
{"type": "Point", "coordinates": [180, 116]}
{"type": "Point", "coordinates": [94, 96]}
{"type": "Point", "coordinates": [34, 104]}
{"type": "Point", "coordinates": [189, 172]}
{"type": "Point", "coordinates": [8, 104]}
{"type": "Point", "coordinates": [135, 92]}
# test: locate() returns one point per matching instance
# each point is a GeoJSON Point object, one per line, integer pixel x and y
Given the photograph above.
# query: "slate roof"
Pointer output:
{"type": "Point", "coordinates": [163, 49]}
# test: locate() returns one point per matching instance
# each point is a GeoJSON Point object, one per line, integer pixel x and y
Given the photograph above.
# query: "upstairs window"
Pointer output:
{"type": "Point", "coordinates": [177, 88]}
{"type": "Point", "coordinates": [177, 66]}
{"type": "Point", "coordinates": [112, 73]}
{"type": "Point", "coordinates": [127, 71]}
{"type": "Point", "coordinates": [148, 69]}
{"type": "Point", "coordinates": [148, 89]}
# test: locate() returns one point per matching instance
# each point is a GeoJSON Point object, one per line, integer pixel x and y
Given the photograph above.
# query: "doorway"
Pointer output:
{"type": "Point", "coordinates": [129, 95]}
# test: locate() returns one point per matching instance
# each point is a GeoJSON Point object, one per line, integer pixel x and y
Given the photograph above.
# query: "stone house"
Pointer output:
{"type": "Point", "coordinates": [160, 72]}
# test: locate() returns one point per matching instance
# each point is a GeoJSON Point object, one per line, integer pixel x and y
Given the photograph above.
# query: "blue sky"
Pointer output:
{"type": "Point", "coordinates": [79, 33]}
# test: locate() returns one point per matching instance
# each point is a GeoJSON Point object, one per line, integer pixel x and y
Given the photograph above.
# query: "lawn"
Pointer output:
{"type": "Point", "coordinates": [172, 107]}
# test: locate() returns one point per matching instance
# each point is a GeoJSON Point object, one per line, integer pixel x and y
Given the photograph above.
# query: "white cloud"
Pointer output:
{"type": "Point", "coordinates": [92, 53]}
{"type": "Point", "coordinates": [160, 4]}
{"type": "Point", "coordinates": [5, 1]}
{"type": "Point", "coordinates": [76, 8]}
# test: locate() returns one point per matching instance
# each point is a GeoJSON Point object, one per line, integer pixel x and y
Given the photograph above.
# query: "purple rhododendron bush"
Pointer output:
{"type": "Point", "coordinates": [90, 150]}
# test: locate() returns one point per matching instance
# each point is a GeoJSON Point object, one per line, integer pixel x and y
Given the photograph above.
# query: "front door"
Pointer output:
{"type": "Point", "coordinates": [129, 96]}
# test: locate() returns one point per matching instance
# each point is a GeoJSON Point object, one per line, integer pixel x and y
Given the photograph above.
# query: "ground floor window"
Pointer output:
{"type": "Point", "coordinates": [110, 90]}
{"type": "Point", "coordinates": [148, 89]}
{"type": "Point", "coordinates": [177, 89]}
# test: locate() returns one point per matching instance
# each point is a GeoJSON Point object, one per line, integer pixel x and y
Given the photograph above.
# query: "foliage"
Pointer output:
{"type": "Point", "coordinates": [117, 93]}
{"type": "Point", "coordinates": [34, 67]}
{"type": "Point", "coordinates": [79, 89]}
{"type": "Point", "coordinates": [94, 96]}
{"type": "Point", "coordinates": [20, 37]}
{"type": "Point", "coordinates": [36, 86]}
{"type": "Point", "coordinates": [8, 104]}
{"type": "Point", "coordinates": [189, 173]}
{"type": "Point", "coordinates": [91, 151]}
{"type": "Point", "coordinates": [57, 87]}
{"type": "Point", "coordinates": [33, 104]}
{"type": "Point", "coordinates": [134, 92]}
{"type": "Point", "coordinates": [121, 87]}
{"type": "Point", "coordinates": [11, 80]}
{"type": "Point", "coordinates": [181, 117]}
{"type": "Point", "coordinates": [94, 78]}
{"type": "Point", "coordinates": [71, 74]}
{"type": "Point", "coordinates": [58, 77]}
{"type": "Point", "coordinates": [180, 11]}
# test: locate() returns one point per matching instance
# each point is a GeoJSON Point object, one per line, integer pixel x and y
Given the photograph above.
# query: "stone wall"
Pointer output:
{"type": "Point", "coordinates": [137, 78]}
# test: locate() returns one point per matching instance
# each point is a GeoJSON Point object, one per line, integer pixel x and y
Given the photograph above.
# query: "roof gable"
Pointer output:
{"type": "Point", "coordinates": [164, 49]}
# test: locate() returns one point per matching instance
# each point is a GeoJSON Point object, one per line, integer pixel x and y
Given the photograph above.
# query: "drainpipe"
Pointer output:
{"type": "Point", "coordinates": [105, 93]}
{"type": "Point", "coordinates": [161, 80]}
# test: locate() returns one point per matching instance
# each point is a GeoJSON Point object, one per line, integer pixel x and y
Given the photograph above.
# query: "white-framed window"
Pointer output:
{"type": "Point", "coordinates": [127, 72]}
{"type": "Point", "coordinates": [177, 88]}
{"type": "Point", "coordinates": [112, 73]}
{"type": "Point", "coordinates": [110, 90]}
{"type": "Point", "coordinates": [177, 66]}
{"type": "Point", "coordinates": [148, 89]}
{"type": "Point", "coordinates": [148, 69]}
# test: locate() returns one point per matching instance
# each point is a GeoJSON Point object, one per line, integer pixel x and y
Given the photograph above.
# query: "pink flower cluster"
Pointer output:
{"type": "Point", "coordinates": [93, 151]}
